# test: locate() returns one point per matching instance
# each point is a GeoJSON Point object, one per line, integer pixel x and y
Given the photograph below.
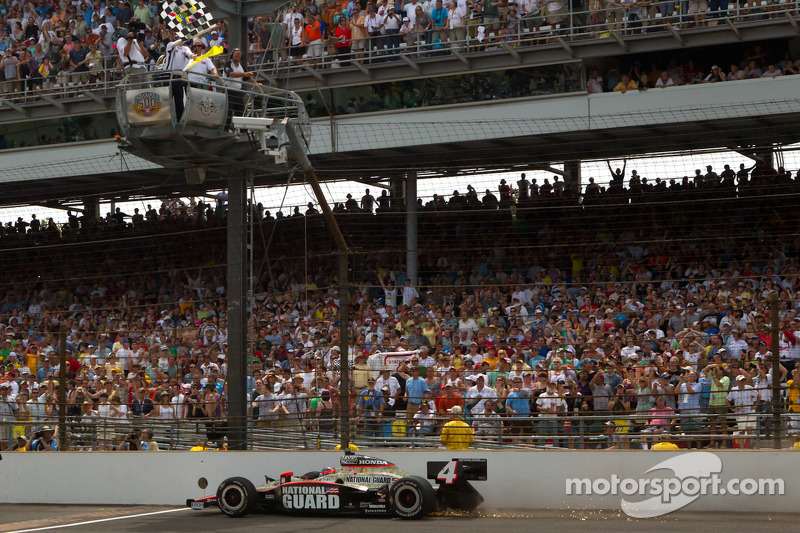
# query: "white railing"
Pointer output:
{"type": "Point", "coordinates": [528, 32]}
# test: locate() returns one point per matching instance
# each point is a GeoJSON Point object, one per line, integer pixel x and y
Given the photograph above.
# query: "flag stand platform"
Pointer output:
{"type": "Point", "coordinates": [207, 127]}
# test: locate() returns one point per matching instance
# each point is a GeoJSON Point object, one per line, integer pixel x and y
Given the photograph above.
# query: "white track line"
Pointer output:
{"type": "Point", "coordinates": [100, 520]}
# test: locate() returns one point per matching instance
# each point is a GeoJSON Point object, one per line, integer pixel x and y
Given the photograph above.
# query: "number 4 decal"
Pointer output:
{"type": "Point", "coordinates": [448, 473]}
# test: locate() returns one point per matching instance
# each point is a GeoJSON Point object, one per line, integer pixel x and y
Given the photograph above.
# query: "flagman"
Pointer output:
{"type": "Point", "coordinates": [178, 55]}
{"type": "Point", "coordinates": [199, 72]}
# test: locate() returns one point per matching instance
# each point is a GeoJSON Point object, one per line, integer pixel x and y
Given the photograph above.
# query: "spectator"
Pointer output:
{"type": "Point", "coordinates": [743, 400]}
{"type": "Point", "coordinates": [626, 84]}
{"type": "Point", "coordinates": [45, 440]}
{"type": "Point", "coordinates": [457, 434]}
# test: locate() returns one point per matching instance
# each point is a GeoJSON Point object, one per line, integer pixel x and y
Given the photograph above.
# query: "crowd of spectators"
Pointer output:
{"type": "Point", "coordinates": [44, 44]}
{"type": "Point", "coordinates": [654, 321]}
{"type": "Point", "coordinates": [754, 64]}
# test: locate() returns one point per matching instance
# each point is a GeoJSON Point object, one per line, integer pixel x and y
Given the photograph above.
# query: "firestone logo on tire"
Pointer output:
{"type": "Point", "coordinates": [692, 475]}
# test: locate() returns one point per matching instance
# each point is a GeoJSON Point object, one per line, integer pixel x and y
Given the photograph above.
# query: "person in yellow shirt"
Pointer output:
{"type": "Point", "coordinates": [794, 392]}
{"type": "Point", "coordinates": [493, 357]}
{"type": "Point", "coordinates": [664, 443]}
{"type": "Point", "coordinates": [625, 85]}
{"type": "Point", "coordinates": [21, 445]}
{"type": "Point", "coordinates": [457, 434]}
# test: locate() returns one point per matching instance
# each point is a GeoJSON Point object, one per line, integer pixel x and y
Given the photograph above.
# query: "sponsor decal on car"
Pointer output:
{"type": "Point", "coordinates": [369, 480]}
{"type": "Point", "coordinates": [361, 461]}
{"type": "Point", "coordinates": [310, 497]}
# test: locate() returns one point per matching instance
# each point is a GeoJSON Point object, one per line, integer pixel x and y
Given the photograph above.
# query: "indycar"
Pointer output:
{"type": "Point", "coordinates": [361, 485]}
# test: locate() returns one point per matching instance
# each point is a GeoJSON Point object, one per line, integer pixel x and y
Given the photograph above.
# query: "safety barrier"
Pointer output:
{"type": "Point", "coordinates": [645, 483]}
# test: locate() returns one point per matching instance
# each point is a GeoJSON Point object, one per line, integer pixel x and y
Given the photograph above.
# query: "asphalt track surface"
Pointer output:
{"type": "Point", "coordinates": [76, 518]}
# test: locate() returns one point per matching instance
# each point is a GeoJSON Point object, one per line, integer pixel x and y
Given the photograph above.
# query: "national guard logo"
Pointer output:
{"type": "Point", "coordinates": [207, 107]}
{"type": "Point", "coordinates": [147, 104]}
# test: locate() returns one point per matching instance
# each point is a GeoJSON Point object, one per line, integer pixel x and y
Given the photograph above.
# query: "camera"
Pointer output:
{"type": "Point", "coordinates": [136, 29]}
{"type": "Point", "coordinates": [38, 434]}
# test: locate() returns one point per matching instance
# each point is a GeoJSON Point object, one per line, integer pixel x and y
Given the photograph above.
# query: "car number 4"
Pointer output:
{"type": "Point", "coordinates": [448, 473]}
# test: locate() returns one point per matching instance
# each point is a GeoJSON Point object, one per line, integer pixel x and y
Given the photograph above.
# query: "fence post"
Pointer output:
{"type": "Point", "coordinates": [776, 381]}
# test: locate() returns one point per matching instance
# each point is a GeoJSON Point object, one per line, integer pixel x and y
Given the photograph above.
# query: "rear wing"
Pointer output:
{"type": "Point", "coordinates": [463, 469]}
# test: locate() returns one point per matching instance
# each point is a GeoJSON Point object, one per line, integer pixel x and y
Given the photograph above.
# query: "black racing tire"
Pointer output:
{"type": "Point", "coordinates": [412, 497]}
{"type": "Point", "coordinates": [236, 496]}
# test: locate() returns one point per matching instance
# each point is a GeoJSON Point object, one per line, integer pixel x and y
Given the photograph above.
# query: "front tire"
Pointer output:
{"type": "Point", "coordinates": [236, 496]}
{"type": "Point", "coordinates": [412, 497]}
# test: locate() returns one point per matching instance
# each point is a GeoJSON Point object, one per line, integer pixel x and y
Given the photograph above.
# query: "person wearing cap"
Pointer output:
{"type": "Point", "coordinates": [612, 441]}
{"type": "Point", "coordinates": [415, 392]}
{"type": "Point", "coordinates": [214, 38]}
{"type": "Point", "coordinates": [743, 400]}
{"type": "Point", "coordinates": [716, 75]}
{"type": "Point", "coordinates": [457, 434]}
{"type": "Point", "coordinates": [549, 405]}
{"type": "Point", "coordinates": [8, 414]}
{"type": "Point", "coordinates": [424, 422]}
{"type": "Point", "coordinates": [21, 445]}
{"type": "Point", "coordinates": [45, 440]}
{"type": "Point", "coordinates": [664, 442]}
{"type": "Point", "coordinates": [361, 372]}
{"type": "Point", "coordinates": [369, 408]}
{"type": "Point", "coordinates": [448, 398]}
{"type": "Point", "coordinates": [203, 71]}
{"type": "Point", "coordinates": [392, 23]}
{"type": "Point", "coordinates": [478, 394]}
{"type": "Point", "coordinates": [141, 405]}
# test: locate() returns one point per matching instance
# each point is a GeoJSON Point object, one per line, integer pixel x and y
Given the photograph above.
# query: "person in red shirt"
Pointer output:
{"type": "Point", "coordinates": [447, 400]}
{"type": "Point", "coordinates": [343, 37]}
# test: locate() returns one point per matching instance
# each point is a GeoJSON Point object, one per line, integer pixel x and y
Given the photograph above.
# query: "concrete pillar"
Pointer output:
{"type": "Point", "coordinates": [412, 253]}
{"type": "Point", "coordinates": [237, 313]}
{"type": "Point", "coordinates": [91, 208]}
{"type": "Point", "coordinates": [572, 178]}
{"type": "Point", "coordinates": [767, 156]}
{"type": "Point", "coordinates": [397, 189]}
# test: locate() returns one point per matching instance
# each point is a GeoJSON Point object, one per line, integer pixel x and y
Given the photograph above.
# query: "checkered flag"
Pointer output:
{"type": "Point", "coordinates": [188, 19]}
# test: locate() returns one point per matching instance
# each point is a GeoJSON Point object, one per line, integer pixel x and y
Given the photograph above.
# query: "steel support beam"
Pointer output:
{"type": "Point", "coordinates": [237, 36]}
{"type": "Point", "coordinates": [237, 313]}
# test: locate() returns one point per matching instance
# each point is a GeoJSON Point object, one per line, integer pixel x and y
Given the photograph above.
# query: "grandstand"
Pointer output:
{"type": "Point", "coordinates": [549, 306]}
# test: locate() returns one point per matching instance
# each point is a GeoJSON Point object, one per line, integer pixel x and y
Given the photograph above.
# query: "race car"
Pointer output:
{"type": "Point", "coordinates": [361, 485]}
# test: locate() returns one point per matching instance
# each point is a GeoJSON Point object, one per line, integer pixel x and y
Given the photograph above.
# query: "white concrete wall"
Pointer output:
{"type": "Point", "coordinates": [74, 159]}
{"type": "Point", "coordinates": [558, 113]}
{"type": "Point", "coordinates": [462, 122]}
{"type": "Point", "coordinates": [517, 480]}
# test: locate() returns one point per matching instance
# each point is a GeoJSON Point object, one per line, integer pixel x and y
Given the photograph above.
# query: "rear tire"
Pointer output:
{"type": "Point", "coordinates": [236, 496]}
{"type": "Point", "coordinates": [412, 497]}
